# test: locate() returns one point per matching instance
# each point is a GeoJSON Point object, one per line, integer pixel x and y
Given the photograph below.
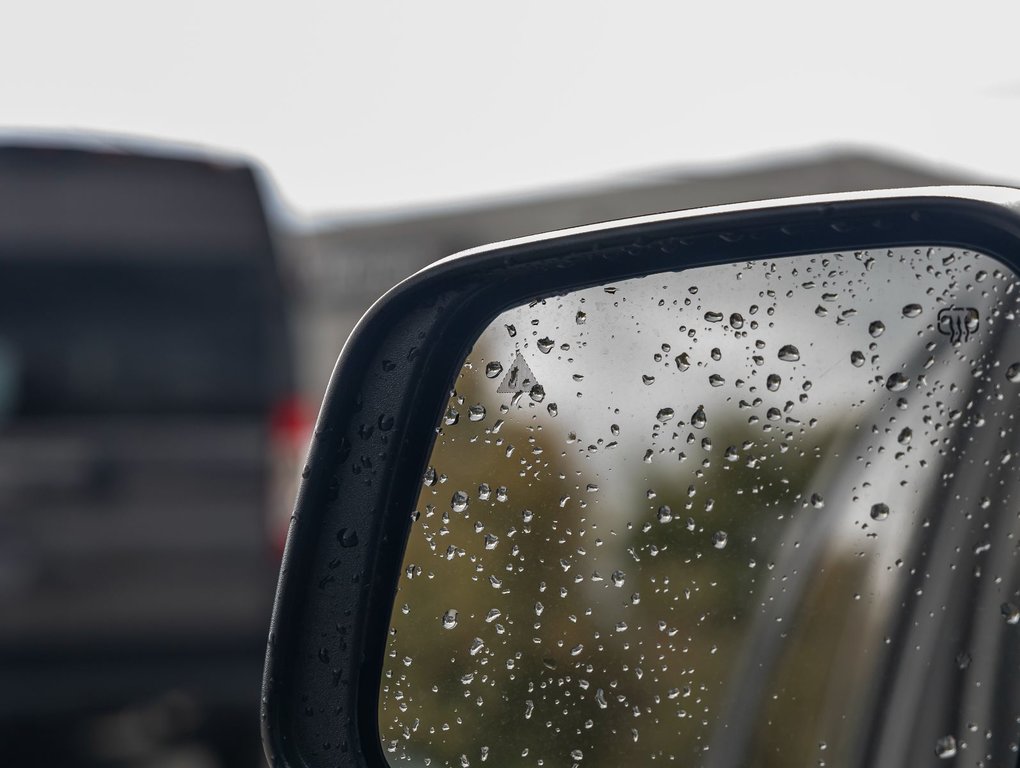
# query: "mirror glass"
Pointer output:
{"type": "Point", "coordinates": [754, 514]}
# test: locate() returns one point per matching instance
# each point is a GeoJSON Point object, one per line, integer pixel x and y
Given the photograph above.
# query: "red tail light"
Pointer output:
{"type": "Point", "coordinates": [290, 428]}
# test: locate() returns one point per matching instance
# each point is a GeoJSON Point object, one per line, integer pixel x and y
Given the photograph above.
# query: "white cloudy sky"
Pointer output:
{"type": "Point", "coordinates": [376, 104]}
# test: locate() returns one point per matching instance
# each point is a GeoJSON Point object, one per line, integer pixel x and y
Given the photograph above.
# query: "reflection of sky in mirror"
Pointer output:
{"type": "Point", "coordinates": [806, 415]}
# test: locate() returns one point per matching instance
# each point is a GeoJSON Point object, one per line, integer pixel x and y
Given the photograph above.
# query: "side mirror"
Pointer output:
{"type": "Point", "coordinates": [724, 487]}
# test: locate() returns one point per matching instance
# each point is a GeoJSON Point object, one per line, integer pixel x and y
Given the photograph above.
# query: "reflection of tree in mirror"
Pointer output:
{"type": "Point", "coordinates": [668, 549]}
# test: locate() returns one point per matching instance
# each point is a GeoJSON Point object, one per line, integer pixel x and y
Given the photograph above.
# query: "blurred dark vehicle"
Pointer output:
{"type": "Point", "coordinates": [147, 425]}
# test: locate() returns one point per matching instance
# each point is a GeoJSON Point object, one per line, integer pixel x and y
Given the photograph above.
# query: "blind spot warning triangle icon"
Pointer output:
{"type": "Point", "coordinates": [519, 378]}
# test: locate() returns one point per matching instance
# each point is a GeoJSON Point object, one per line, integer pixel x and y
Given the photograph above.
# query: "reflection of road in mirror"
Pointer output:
{"type": "Point", "coordinates": [754, 514]}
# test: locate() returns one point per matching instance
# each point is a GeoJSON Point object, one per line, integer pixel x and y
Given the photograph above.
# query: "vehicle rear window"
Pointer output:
{"type": "Point", "coordinates": [84, 334]}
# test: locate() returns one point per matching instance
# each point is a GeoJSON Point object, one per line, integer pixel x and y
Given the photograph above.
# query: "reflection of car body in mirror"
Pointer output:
{"type": "Point", "coordinates": [144, 361]}
{"type": "Point", "coordinates": [761, 509]}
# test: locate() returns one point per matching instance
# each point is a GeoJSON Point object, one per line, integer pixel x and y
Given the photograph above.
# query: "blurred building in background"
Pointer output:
{"type": "Point", "coordinates": [343, 265]}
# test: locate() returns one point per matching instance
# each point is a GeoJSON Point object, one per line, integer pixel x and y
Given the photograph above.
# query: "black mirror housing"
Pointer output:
{"type": "Point", "coordinates": [377, 422]}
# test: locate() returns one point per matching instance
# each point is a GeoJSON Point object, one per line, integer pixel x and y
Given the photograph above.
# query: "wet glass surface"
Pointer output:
{"type": "Point", "coordinates": [760, 514]}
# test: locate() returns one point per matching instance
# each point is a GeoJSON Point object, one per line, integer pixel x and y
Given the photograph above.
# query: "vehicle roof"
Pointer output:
{"type": "Point", "coordinates": [110, 194]}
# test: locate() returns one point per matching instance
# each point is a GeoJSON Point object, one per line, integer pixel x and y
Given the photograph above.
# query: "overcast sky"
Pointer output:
{"type": "Point", "coordinates": [379, 104]}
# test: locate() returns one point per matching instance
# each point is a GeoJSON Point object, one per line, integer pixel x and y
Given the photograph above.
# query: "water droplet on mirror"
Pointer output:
{"type": "Point", "coordinates": [683, 361]}
{"type": "Point", "coordinates": [713, 317]}
{"type": "Point", "coordinates": [945, 747]}
{"type": "Point", "coordinates": [545, 345]}
{"type": "Point", "coordinates": [459, 501]}
{"type": "Point", "coordinates": [879, 511]}
{"type": "Point", "coordinates": [905, 436]}
{"type": "Point", "coordinates": [719, 539]}
{"type": "Point", "coordinates": [912, 310]}
{"type": "Point", "coordinates": [476, 412]}
{"type": "Point", "coordinates": [736, 321]}
{"type": "Point", "coordinates": [647, 380]}
{"type": "Point", "coordinates": [600, 698]}
{"type": "Point", "coordinates": [897, 382]}
{"type": "Point", "coordinates": [698, 418]}
{"type": "Point", "coordinates": [1013, 373]}
{"type": "Point", "coordinates": [817, 501]}
{"type": "Point", "coordinates": [618, 578]}
{"type": "Point", "coordinates": [773, 382]}
{"type": "Point", "coordinates": [1010, 613]}
{"type": "Point", "coordinates": [451, 417]}
{"type": "Point", "coordinates": [493, 369]}
{"type": "Point", "coordinates": [856, 358]}
{"type": "Point", "coordinates": [665, 414]}
{"type": "Point", "coordinates": [665, 515]}
{"type": "Point", "coordinates": [876, 328]}
{"type": "Point", "coordinates": [789, 353]}
{"type": "Point", "coordinates": [449, 618]}
{"type": "Point", "coordinates": [580, 318]}
{"type": "Point", "coordinates": [537, 393]}
{"type": "Point", "coordinates": [716, 380]}
{"type": "Point", "coordinates": [430, 477]}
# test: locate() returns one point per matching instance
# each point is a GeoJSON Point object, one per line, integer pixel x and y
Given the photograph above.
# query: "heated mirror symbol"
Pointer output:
{"type": "Point", "coordinates": [958, 323]}
{"type": "Point", "coordinates": [519, 378]}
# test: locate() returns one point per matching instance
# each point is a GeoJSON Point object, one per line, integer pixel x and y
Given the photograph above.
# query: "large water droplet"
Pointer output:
{"type": "Point", "coordinates": [1013, 373]}
{"type": "Point", "coordinates": [876, 329]}
{"type": "Point", "coordinates": [545, 345]}
{"type": "Point", "coordinates": [773, 382]}
{"type": "Point", "coordinates": [789, 353]}
{"type": "Point", "coordinates": [713, 317]}
{"type": "Point", "coordinates": [476, 412]}
{"type": "Point", "coordinates": [716, 380]}
{"type": "Point", "coordinates": [665, 514]}
{"type": "Point", "coordinates": [719, 539]}
{"type": "Point", "coordinates": [897, 382]}
{"type": "Point", "coordinates": [698, 418]}
{"type": "Point", "coordinates": [618, 578]}
{"type": "Point", "coordinates": [665, 414]}
{"type": "Point", "coordinates": [856, 358]}
{"type": "Point", "coordinates": [493, 369]}
{"type": "Point", "coordinates": [459, 501]}
{"type": "Point", "coordinates": [912, 310]}
{"type": "Point", "coordinates": [736, 321]}
{"type": "Point", "coordinates": [879, 511]}
{"type": "Point", "coordinates": [449, 618]}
